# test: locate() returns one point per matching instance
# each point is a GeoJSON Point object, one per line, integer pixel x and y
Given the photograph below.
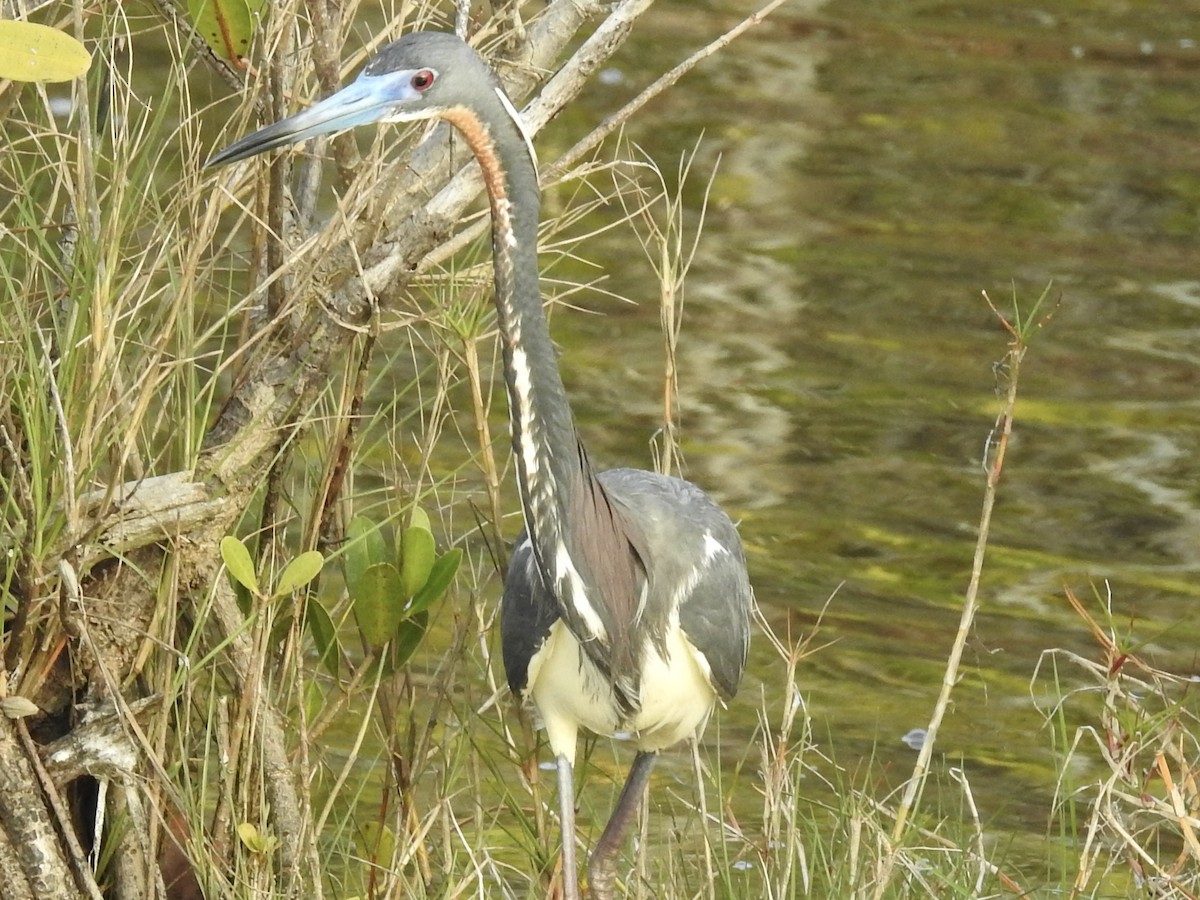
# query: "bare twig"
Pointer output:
{"type": "Point", "coordinates": [998, 445]}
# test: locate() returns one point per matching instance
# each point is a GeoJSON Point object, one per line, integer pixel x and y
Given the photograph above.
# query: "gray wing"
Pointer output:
{"type": "Point", "coordinates": [715, 616]}
{"type": "Point", "coordinates": [696, 560]}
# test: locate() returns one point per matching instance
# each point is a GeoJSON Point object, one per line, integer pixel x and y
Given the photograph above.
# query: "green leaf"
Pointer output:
{"type": "Point", "coordinates": [238, 562]}
{"type": "Point", "coordinates": [417, 552]}
{"type": "Point", "coordinates": [364, 548]}
{"type": "Point", "coordinates": [408, 639]}
{"type": "Point", "coordinates": [314, 699]}
{"type": "Point", "coordinates": [248, 832]}
{"type": "Point", "coordinates": [379, 605]}
{"type": "Point", "coordinates": [281, 627]}
{"type": "Point", "coordinates": [227, 26]}
{"type": "Point", "coordinates": [417, 518]}
{"type": "Point", "coordinates": [420, 519]}
{"type": "Point", "coordinates": [30, 52]}
{"type": "Point", "coordinates": [255, 840]}
{"type": "Point", "coordinates": [299, 572]}
{"type": "Point", "coordinates": [324, 635]}
{"type": "Point", "coordinates": [376, 843]}
{"type": "Point", "coordinates": [440, 577]}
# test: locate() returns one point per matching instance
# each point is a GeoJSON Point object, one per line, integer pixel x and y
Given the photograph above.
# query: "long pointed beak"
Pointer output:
{"type": "Point", "coordinates": [368, 99]}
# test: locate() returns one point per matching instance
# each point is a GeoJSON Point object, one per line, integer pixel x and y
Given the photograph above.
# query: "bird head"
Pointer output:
{"type": "Point", "coordinates": [423, 75]}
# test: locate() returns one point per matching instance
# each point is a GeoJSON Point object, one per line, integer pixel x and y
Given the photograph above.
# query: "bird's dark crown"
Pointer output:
{"type": "Point", "coordinates": [463, 78]}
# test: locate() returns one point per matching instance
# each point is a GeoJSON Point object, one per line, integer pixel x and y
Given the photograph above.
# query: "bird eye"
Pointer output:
{"type": "Point", "coordinates": [423, 80]}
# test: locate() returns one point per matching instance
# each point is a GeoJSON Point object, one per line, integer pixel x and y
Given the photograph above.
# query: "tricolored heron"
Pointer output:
{"type": "Point", "coordinates": [626, 605]}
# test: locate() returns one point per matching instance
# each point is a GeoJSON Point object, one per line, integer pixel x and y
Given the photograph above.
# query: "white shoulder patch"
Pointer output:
{"type": "Point", "coordinates": [713, 548]}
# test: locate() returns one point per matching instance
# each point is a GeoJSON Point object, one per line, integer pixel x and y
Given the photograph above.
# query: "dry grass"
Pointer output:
{"type": "Point", "coordinates": [1128, 790]}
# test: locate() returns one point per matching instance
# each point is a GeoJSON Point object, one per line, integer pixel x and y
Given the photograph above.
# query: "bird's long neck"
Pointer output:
{"type": "Point", "coordinates": [575, 531]}
{"type": "Point", "coordinates": [544, 437]}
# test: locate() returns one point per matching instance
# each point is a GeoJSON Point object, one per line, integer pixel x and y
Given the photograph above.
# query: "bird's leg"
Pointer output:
{"type": "Point", "coordinates": [566, 813]}
{"type": "Point", "coordinates": [602, 869]}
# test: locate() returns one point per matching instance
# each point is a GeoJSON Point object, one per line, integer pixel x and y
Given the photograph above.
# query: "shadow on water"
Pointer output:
{"type": "Point", "coordinates": [880, 166]}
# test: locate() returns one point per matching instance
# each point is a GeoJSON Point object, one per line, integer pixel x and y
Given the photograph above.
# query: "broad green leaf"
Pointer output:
{"type": "Point", "coordinates": [324, 635]}
{"type": "Point", "coordinates": [281, 628]}
{"type": "Point", "coordinates": [417, 518]}
{"type": "Point", "coordinates": [299, 572]}
{"type": "Point", "coordinates": [255, 840]}
{"type": "Point", "coordinates": [314, 699]}
{"type": "Point", "coordinates": [420, 519]}
{"type": "Point", "coordinates": [376, 843]}
{"type": "Point", "coordinates": [378, 604]}
{"type": "Point", "coordinates": [440, 577]}
{"type": "Point", "coordinates": [30, 52]}
{"type": "Point", "coordinates": [408, 639]}
{"type": "Point", "coordinates": [417, 552]}
{"type": "Point", "coordinates": [238, 562]}
{"type": "Point", "coordinates": [364, 548]}
{"type": "Point", "coordinates": [227, 26]}
{"type": "Point", "coordinates": [249, 835]}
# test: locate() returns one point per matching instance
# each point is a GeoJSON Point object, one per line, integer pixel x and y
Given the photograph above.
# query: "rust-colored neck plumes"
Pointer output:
{"type": "Point", "coordinates": [583, 545]}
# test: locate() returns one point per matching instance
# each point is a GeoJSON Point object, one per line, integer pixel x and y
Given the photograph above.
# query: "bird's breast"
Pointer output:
{"type": "Point", "coordinates": [675, 694]}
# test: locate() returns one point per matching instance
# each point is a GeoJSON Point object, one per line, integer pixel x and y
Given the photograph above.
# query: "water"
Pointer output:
{"type": "Point", "coordinates": [880, 166]}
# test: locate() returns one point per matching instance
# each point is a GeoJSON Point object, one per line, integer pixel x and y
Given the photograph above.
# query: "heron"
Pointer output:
{"type": "Point", "coordinates": [626, 603]}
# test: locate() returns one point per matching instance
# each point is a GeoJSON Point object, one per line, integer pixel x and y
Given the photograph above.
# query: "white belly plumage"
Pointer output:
{"type": "Point", "coordinates": [677, 696]}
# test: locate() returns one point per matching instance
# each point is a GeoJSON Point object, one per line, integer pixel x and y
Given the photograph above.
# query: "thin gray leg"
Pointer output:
{"type": "Point", "coordinates": [602, 868]}
{"type": "Point", "coordinates": [566, 813]}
